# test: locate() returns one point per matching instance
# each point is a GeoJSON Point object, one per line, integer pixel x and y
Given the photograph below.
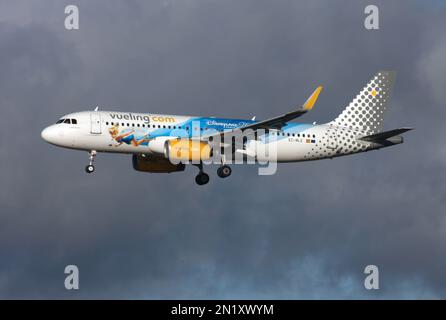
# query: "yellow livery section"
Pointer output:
{"type": "Point", "coordinates": [188, 150]}
{"type": "Point", "coordinates": [308, 105]}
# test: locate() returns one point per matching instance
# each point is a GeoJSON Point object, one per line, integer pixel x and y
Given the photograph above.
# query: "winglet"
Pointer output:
{"type": "Point", "coordinates": [308, 105]}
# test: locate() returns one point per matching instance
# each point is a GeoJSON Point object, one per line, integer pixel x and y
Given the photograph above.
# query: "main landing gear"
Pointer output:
{"type": "Point", "coordinates": [90, 167]}
{"type": "Point", "coordinates": [203, 178]}
{"type": "Point", "coordinates": [224, 171]}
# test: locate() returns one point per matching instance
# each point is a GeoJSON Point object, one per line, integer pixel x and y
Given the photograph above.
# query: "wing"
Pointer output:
{"type": "Point", "coordinates": [276, 122]}
{"type": "Point", "coordinates": [280, 121]}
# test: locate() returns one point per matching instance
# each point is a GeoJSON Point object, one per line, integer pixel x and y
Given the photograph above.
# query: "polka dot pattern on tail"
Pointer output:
{"type": "Point", "coordinates": [366, 111]}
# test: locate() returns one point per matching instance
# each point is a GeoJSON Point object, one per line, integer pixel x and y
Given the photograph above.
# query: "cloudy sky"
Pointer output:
{"type": "Point", "coordinates": [306, 232]}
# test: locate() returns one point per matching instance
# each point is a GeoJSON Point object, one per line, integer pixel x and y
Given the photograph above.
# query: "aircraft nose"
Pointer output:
{"type": "Point", "coordinates": [49, 134]}
{"type": "Point", "coordinates": [45, 134]}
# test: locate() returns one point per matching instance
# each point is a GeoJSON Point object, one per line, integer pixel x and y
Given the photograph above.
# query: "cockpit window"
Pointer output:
{"type": "Point", "coordinates": [72, 121]}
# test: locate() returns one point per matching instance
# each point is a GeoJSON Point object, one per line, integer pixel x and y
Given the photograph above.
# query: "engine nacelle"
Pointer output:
{"type": "Point", "coordinates": [152, 164]}
{"type": "Point", "coordinates": [158, 145]}
{"type": "Point", "coordinates": [187, 150]}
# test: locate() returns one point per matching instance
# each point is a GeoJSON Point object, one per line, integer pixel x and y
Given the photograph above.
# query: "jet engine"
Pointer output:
{"type": "Point", "coordinates": [187, 150]}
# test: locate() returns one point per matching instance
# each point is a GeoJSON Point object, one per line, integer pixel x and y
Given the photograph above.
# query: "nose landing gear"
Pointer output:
{"type": "Point", "coordinates": [90, 167]}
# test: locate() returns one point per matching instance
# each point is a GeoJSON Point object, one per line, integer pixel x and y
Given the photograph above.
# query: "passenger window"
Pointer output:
{"type": "Point", "coordinates": [106, 123]}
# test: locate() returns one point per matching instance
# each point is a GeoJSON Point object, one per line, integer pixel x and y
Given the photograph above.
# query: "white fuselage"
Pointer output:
{"type": "Point", "coordinates": [137, 133]}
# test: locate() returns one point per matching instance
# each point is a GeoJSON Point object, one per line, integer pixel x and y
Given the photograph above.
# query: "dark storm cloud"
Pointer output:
{"type": "Point", "coordinates": [306, 232]}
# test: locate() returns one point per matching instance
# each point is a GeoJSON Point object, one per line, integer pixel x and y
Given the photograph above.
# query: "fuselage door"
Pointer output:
{"type": "Point", "coordinates": [95, 122]}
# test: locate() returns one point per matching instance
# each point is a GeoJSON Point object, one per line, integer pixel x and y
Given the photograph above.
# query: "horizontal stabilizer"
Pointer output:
{"type": "Point", "coordinates": [384, 135]}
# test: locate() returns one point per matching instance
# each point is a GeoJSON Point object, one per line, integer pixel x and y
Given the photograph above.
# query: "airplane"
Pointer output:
{"type": "Point", "coordinates": [166, 143]}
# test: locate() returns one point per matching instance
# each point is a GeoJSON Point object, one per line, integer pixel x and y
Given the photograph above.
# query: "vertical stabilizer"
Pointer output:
{"type": "Point", "coordinates": [367, 110]}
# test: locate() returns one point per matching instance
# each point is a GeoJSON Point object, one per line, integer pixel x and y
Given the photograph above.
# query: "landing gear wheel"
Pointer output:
{"type": "Point", "coordinates": [90, 167]}
{"type": "Point", "coordinates": [224, 171]}
{"type": "Point", "coordinates": [202, 178]}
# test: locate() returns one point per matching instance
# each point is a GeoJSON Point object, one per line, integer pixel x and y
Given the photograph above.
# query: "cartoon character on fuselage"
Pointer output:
{"type": "Point", "coordinates": [128, 136]}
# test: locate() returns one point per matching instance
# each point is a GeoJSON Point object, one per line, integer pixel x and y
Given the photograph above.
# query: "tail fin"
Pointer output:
{"type": "Point", "coordinates": [366, 111]}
